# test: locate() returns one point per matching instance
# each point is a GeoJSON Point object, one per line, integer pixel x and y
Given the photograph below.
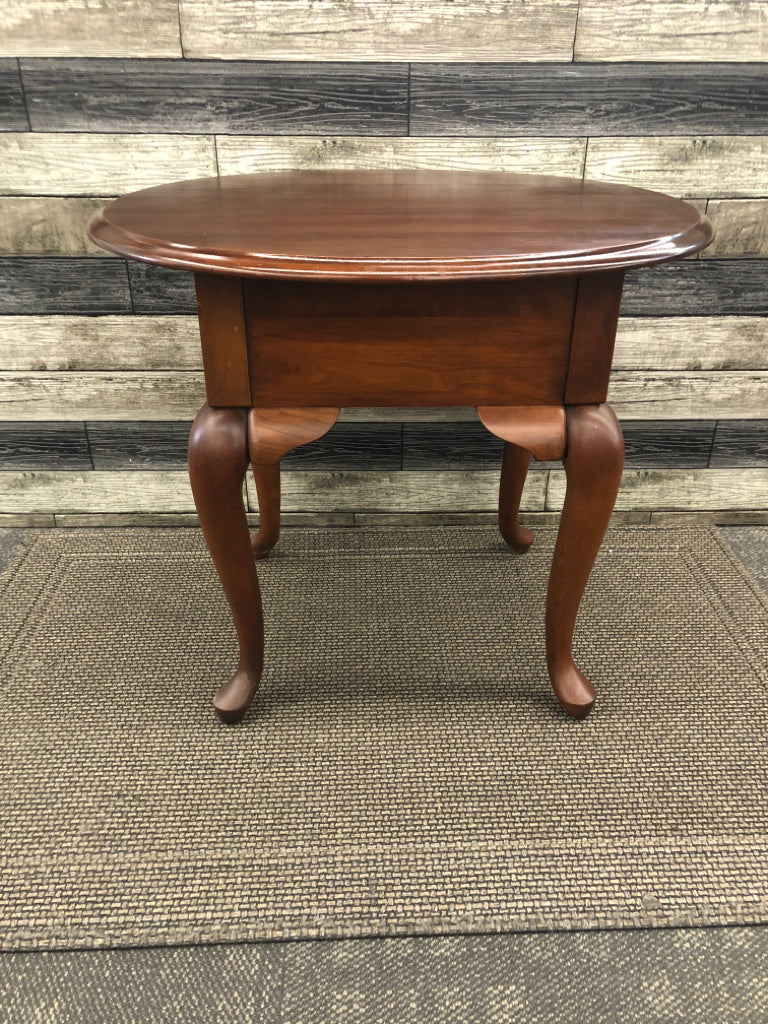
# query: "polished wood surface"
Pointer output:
{"type": "Point", "coordinates": [402, 224]}
{"type": "Point", "coordinates": [404, 288]}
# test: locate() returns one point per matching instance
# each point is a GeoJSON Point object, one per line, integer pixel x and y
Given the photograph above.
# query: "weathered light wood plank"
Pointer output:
{"type": "Point", "coordinates": [108, 28]}
{"type": "Point", "coordinates": [101, 396]}
{"type": "Point", "coordinates": [45, 225]}
{"type": "Point", "coordinates": [685, 395]}
{"type": "Point", "coordinates": [240, 154]}
{"type": "Point", "coordinates": [95, 492]}
{"type": "Point", "coordinates": [172, 395]}
{"type": "Point", "coordinates": [691, 30]}
{"type": "Point", "coordinates": [717, 166]}
{"type": "Point", "coordinates": [588, 99]}
{"type": "Point", "coordinates": [156, 492]}
{"type": "Point", "coordinates": [269, 97]}
{"type": "Point", "coordinates": [402, 30]}
{"type": "Point", "coordinates": [173, 343]}
{"type": "Point", "coordinates": [49, 164]}
{"type": "Point", "coordinates": [741, 225]}
{"type": "Point", "coordinates": [680, 489]}
{"type": "Point", "coordinates": [395, 492]}
{"type": "Point", "coordinates": [99, 343]}
{"type": "Point", "coordinates": [692, 343]}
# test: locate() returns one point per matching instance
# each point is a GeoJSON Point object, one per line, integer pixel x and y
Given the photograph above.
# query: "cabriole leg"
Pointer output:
{"type": "Point", "coordinates": [514, 469]}
{"type": "Point", "coordinates": [593, 462]}
{"type": "Point", "coordinates": [218, 460]}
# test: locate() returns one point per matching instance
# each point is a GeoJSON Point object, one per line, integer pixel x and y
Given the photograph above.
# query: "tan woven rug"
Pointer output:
{"type": "Point", "coordinates": [405, 769]}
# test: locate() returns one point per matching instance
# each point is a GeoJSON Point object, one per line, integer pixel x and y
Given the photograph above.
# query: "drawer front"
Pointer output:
{"type": "Point", "coordinates": [487, 343]}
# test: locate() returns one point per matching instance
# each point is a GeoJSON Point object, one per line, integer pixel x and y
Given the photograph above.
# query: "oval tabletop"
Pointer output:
{"type": "Point", "coordinates": [399, 224]}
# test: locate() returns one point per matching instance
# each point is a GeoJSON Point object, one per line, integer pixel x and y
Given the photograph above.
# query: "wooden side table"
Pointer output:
{"type": "Point", "coordinates": [320, 290]}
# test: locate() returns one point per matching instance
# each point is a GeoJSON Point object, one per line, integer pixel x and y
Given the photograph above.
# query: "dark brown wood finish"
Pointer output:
{"type": "Point", "coordinates": [318, 290]}
{"type": "Point", "coordinates": [401, 225]}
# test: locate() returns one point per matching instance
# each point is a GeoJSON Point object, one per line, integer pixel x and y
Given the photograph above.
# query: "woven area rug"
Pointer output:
{"type": "Point", "coordinates": [405, 769]}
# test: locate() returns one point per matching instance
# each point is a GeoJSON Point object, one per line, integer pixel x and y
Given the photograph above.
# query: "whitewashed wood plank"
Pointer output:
{"type": "Point", "coordinates": [173, 395]}
{"type": "Point", "coordinates": [680, 489]}
{"type": "Point", "coordinates": [397, 30]}
{"type": "Point", "coordinates": [689, 396]}
{"type": "Point", "coordinates": [47, 225]}
{"type": "Point", "coordinates": [85, 343]}
{"type": "Point", "coordinates": [732, 166]}
{"type": "Point", "coordinates": [95, 492]}
{"type": "Point", "coordinates": [101, 396]}
{"type": "Point", "coordinates": [172, 343]}
{"type": "Point", "coordinates": [240, 154]}
{"type": "Point", "coordinates": [692, 343]}
{"type": "Point", "coordinates": [49, 164]}
{"type": "Point", "coordinates": [84, 28]}
{"type": "Point", "coordinates": [741, 225]}
{"type": "Point", "coordinates": [685, 30]}
{"type": "Point", "coordinates": [398, 492]}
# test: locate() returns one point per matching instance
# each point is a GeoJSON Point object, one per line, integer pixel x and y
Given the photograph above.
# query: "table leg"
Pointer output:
{"type": "Point", "coordinates": [593, 462]}
{"type": "Point", "coordinates": [514, 469]}
{"type": "Point", "coordinates": [272, 433]}
{"type": "Point", "coordinates": [218, 460]}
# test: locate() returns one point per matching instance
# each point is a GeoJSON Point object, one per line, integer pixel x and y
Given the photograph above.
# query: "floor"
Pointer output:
{"type": "Point", "coordinates": [696, 976]}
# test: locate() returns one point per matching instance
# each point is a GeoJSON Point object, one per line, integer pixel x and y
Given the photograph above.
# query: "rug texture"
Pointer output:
{"type": "Point", "coordinates": [404, 769]}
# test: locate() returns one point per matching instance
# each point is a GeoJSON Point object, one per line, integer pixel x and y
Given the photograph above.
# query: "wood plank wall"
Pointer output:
{"type": "Point", "coordinates": [99, 364]}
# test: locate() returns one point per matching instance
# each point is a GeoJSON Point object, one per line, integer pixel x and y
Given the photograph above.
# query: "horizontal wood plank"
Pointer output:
{"type": "Point", "coordinates": [691, 343]}
{"type": "Point", "coordinates": [52, 446]}
{"type": "Point", "coordinates": [713, 287]}
{"type": "Point", "coordinates": [684, 490]}
{"type": "Point", "coordinates": [173, 343]}
{"type": "Point", "coordinates": [397, 30]}
{"type": "Point", "coordinates": [13, 114]}
{"type": "Point", "coordinates": [63, 285]}
{"type": "Point", "coordinates": [101, 396]}
{"type": "Point", "coordinates": [157, 492]}
{"type": "Point", "coordinates": [686, 395]}
{"type": "Point", "coordinates": [47, 225]}
{"type": "Point", "coordinates": [68, 492]}
{"type": "Point", "coordinates": [464, 491]}
{"type": "Point", "coordinates": [172, 395]}
{"type": "Point", "coordinates": [692, 30]}
{"type": "Point", "coordinates": [741, 226]}
{"type": "Point", "coordinates": [717, 166]}
{"type": "Point", "coordinates": [99, 343]}
{"type": "Point", "coordinates": [160, 290]}
{"type": "Point", "coordinates": [740, 444]}
{"type": "Point", "coordinates": [247, 154]}
{"type": "Point", "coordinates": [50, 164]}
{"type": "Point", "coordinates": [216, 96]}
{"type": "Point", "coordinates": [109, 28]}
{"type": "Point", "coordinates": [588, 99]}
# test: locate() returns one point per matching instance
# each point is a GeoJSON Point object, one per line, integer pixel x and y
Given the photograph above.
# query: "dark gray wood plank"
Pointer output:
{"type": "Point", "coordinates": [43, 446]}
{"type": "Point", "coordinates": [13, 114]}
{"type": "Point", "coordinates": [86, 285]}
{"type": "Point", "coordinates": [260, 97]}
{"type": "Point", "coordinates": [740, 444]}
{"type": "Point", "coordinates": [146, 445]}
{"type": "Point", "coordinates": [350, 447]}
{"type": "Point", "coordinates": [28, 285]}
{"type": "Point", "coordinates": [588, 99]}
{"type": "Point", "coordinates": [160, 290]}
{"type": "Point", "coordinates": [698, 288]}
{"type": "Point", "coordinates": [658, 444]}
{"type": "Point", "coordinates": [668, 444]}
{"type": "Point", "coordinates": [140, 445]}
